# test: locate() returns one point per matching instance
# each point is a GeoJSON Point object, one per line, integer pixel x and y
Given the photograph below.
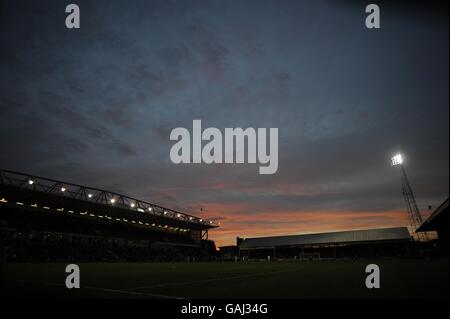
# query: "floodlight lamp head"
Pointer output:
{"type": "Point", "coordinates": [397, 160]}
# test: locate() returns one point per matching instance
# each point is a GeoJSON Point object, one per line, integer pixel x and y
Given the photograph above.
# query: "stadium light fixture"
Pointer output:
{"type": "Point", "coordinates": [132, 205]}
{"type": "Point", "coordinates": [112, 200]}
{"type": "Point", "coordinates": [178, 215]}
{"type": "Point", "coordinates": [149, 209]}
{"type": "Point", "coordinates": [397, 160]}
{"type": "Point", "coordinates": [165, 213]}
{"type": "Point", "coordinates": [63, 189]}
{"type": "Point", "coordinates": [90, 195]}
{"type": "Point", "coordinates": [31, 182]}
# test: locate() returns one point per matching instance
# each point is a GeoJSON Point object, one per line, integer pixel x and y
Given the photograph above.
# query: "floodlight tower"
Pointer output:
{"type": "Point", "coordinates": [413, 211]}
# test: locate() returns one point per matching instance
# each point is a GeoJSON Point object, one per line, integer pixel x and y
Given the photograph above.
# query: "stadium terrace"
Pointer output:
{"type": "Point", "coordinates": [40, 199]}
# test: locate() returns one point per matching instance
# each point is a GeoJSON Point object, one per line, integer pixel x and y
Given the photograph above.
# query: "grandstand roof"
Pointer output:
{"type": "Point", "coordinates": [40, 192]}
{"type": "Point", "coordinates": [436, 219]}
{"type": "Point", "coordinates": [352, 236]}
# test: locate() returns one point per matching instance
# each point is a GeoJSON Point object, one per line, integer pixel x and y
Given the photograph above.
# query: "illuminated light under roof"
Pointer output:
{"type": "Point", "coordinates": [19, 203]}
{"type": "Point", "coordinates": [46, 207]}
{"type": "Point", "coordinates": [100, 196]}
{"type": "Point", "coordinates": [3, 200]}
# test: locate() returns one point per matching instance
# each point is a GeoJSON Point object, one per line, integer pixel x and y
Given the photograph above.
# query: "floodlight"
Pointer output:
{"type": "Point", "coordinates": [90, 195]}
{"type": "Point", "coordinates": [31, 182]}
{"type": "Point", "coordinates": [132, 205]}
{"type": "Point", "coordinates": [63, 189]}
{"type": "Point", "coordinates": [397, 160]}
{"type": "Point", "coordinates": [113, 200]}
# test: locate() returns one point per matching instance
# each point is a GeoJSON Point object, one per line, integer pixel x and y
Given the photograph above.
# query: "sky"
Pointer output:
{"type": "Point", "coordinates": [96, 105]}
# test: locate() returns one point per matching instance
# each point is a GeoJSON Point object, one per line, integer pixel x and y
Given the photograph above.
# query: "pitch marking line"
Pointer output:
{"type": "Point", "coordinates": [127, 292]}
{"type": "Point", "coordinates": [210, 280]}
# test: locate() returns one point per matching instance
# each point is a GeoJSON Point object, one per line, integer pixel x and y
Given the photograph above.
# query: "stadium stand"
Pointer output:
{"type": "Point", "coordinates": [47, 220]}
{"type": "Point", "coordinates": [383, 242]}
{"type": "Point", "coordinates": [438, 222]}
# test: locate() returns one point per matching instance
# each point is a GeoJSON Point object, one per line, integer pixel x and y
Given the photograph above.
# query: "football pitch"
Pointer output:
{"type": "Point", "coordinates": [403, 278]}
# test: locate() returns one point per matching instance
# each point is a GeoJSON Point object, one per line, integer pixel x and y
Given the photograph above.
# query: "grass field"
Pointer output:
{"type": "Point", "coordinates": [224, 280]}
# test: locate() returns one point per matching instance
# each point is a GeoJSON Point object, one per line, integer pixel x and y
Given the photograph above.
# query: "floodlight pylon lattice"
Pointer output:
{"type": "Point", "coordinates": [415, 218]}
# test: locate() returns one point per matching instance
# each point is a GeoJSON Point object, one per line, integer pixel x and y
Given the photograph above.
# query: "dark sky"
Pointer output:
{"type": "Point", "coordinates": [96, 105]}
